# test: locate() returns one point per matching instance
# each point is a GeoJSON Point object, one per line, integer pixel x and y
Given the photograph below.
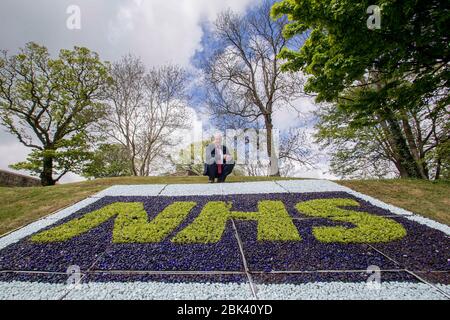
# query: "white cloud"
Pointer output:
{"type": "Point", "coordinates": [297, 115]}
{"type": "Point", "coordinates": [162, 31]}
{"type": "Point", "coordinates": [11, 152]}
{"type": "Point", "coordinates": [159, 31]}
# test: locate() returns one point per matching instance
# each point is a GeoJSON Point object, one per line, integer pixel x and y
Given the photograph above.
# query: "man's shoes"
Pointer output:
{"type": "Point", "coordinates": [210, 181]}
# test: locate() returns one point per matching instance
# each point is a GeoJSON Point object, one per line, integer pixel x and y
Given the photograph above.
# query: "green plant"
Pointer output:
{"type": "Point", "coordinates": [131, 225]}
{"type": "Point", "coordinates": [369, 228]}
{"type": "Point", "coordinates": [274, 223]}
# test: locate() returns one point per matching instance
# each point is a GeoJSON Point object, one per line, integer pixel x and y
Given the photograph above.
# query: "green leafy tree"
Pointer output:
{"type": "Point", "coordinates": [376, 76]}
{"type": "Point", "coordinates": [109, 160]}
{"type": "Point", "coordinates": [50, 105]}
{"type": "Point", "coordinates": [370, 150]}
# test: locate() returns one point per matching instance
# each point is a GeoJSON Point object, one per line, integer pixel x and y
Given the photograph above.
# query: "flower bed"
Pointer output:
{"type": "Point", "coordinates": [202, 239]}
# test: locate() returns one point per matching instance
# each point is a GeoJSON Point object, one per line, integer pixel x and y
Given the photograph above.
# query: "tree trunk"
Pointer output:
{"type": "Point", "coordinates": [271, 152]}
{"type": "Point", "coordinates": [395, 157]}
{"type": "Point", "coordinates": [420, 163]}
{"type": "Point", "coordinates": [407, 165]}
{"type": "Point", "coordinates": [133, 164]}
{"type": "Point", "coordinates": [437, 175]}
{"type": "Point", "coordinates": [407, 161]}
{"type": "Point", "coordinates": [47, 172]}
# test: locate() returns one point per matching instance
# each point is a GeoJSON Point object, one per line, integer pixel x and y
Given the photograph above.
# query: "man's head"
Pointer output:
{"type": "Point", "coordinates": [218, 138]}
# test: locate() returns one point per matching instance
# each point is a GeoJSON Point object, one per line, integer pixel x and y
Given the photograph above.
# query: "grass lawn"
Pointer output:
{"type": "Point", "coordinates": [20, 206]}
{"type": "Point", "coordinates": [427, 198]}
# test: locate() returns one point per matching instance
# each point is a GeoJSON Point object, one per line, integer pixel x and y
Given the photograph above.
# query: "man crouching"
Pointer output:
{"type": "Point", "coordinates": [219, 162]}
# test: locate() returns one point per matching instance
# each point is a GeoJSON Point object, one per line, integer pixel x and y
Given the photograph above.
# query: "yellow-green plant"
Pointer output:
{"type": "Point", "coordinates": [131, 225]}
{"type": "Point", "coordinates": [368, 228]}
{"type": "Point", "coordinates": [274, 223]}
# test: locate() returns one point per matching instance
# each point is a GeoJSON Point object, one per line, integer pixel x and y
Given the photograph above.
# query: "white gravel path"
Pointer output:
{"type": "Point", "coordinates": [192, 189]}
{"type": "Point", "coordinates": [251, 188]}
{"type": "Point", "coordinates": [131, 190]}
{"type": "Point", "coordinates": [21, 290]}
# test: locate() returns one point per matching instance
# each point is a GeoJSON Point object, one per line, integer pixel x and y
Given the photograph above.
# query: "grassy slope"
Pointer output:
{"type": "Point", "coordinates": [19, 206]}
{"type": "Point", "coordinates": [427, 198]}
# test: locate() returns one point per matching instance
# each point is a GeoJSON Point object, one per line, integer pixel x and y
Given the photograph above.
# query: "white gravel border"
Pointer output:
{"type": "Point", "coordinates": [189, 291]}
{"type": "Point", "coordinates": [348, 291]}
{"type": "Point", "coordinates": [161, 291]}
{"type": "Point", "coordinates": [251, 188]}
{"type": "Point", "coordinates": [131, 190]}
{"type": "Point", "coordinates": [192, 189]}
{"type": "Point", "coordinates": [218, 291]}
{"type": "Point", "coordinates": [22, 290]}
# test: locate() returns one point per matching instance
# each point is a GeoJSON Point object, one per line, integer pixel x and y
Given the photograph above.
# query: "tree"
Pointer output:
{"type": "Point", "coordinates": [295, 150]}
{"type": "Point", "coordinates": [376, 76]}
{"type": "Point", "coordinates": [145, 111]}
{"type": "Point", "coordinates": [371, 150]}
{"type": "Point", "coordinates": [108, 160]}
{"type": "Point", "coordinates": [244, 77]}
{"type": "Point", "coordinates": [50, 105]}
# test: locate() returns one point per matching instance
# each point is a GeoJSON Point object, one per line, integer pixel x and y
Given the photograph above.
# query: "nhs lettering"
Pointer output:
{"type": "Point", "coordinates": [132, 224]}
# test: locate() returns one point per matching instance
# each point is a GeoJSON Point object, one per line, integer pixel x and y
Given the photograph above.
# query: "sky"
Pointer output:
{"type": "Point", "coordinates": [158, 31]}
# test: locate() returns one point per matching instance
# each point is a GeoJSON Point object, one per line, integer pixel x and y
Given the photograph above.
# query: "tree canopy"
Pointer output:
{"type": "Point", "coordinates": [378, 77]}
{"type": "Point", "coordinates": [50, 104]}
{"type": "Point", "coordinates": [412, 44]}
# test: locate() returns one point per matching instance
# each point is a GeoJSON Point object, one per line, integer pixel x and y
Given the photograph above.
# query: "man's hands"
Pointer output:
{"type": "Point", "coordinates": [228, 158]}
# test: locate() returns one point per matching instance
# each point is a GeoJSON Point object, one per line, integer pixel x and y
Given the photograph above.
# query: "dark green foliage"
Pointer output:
{"type": "Point", "coordinates": [391, 82]}
{"type": "Point", "coordinates": [108, 160]}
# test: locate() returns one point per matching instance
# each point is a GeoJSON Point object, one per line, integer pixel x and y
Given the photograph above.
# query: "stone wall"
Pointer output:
{"type": "Point", "coordinates": [11, 179]}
